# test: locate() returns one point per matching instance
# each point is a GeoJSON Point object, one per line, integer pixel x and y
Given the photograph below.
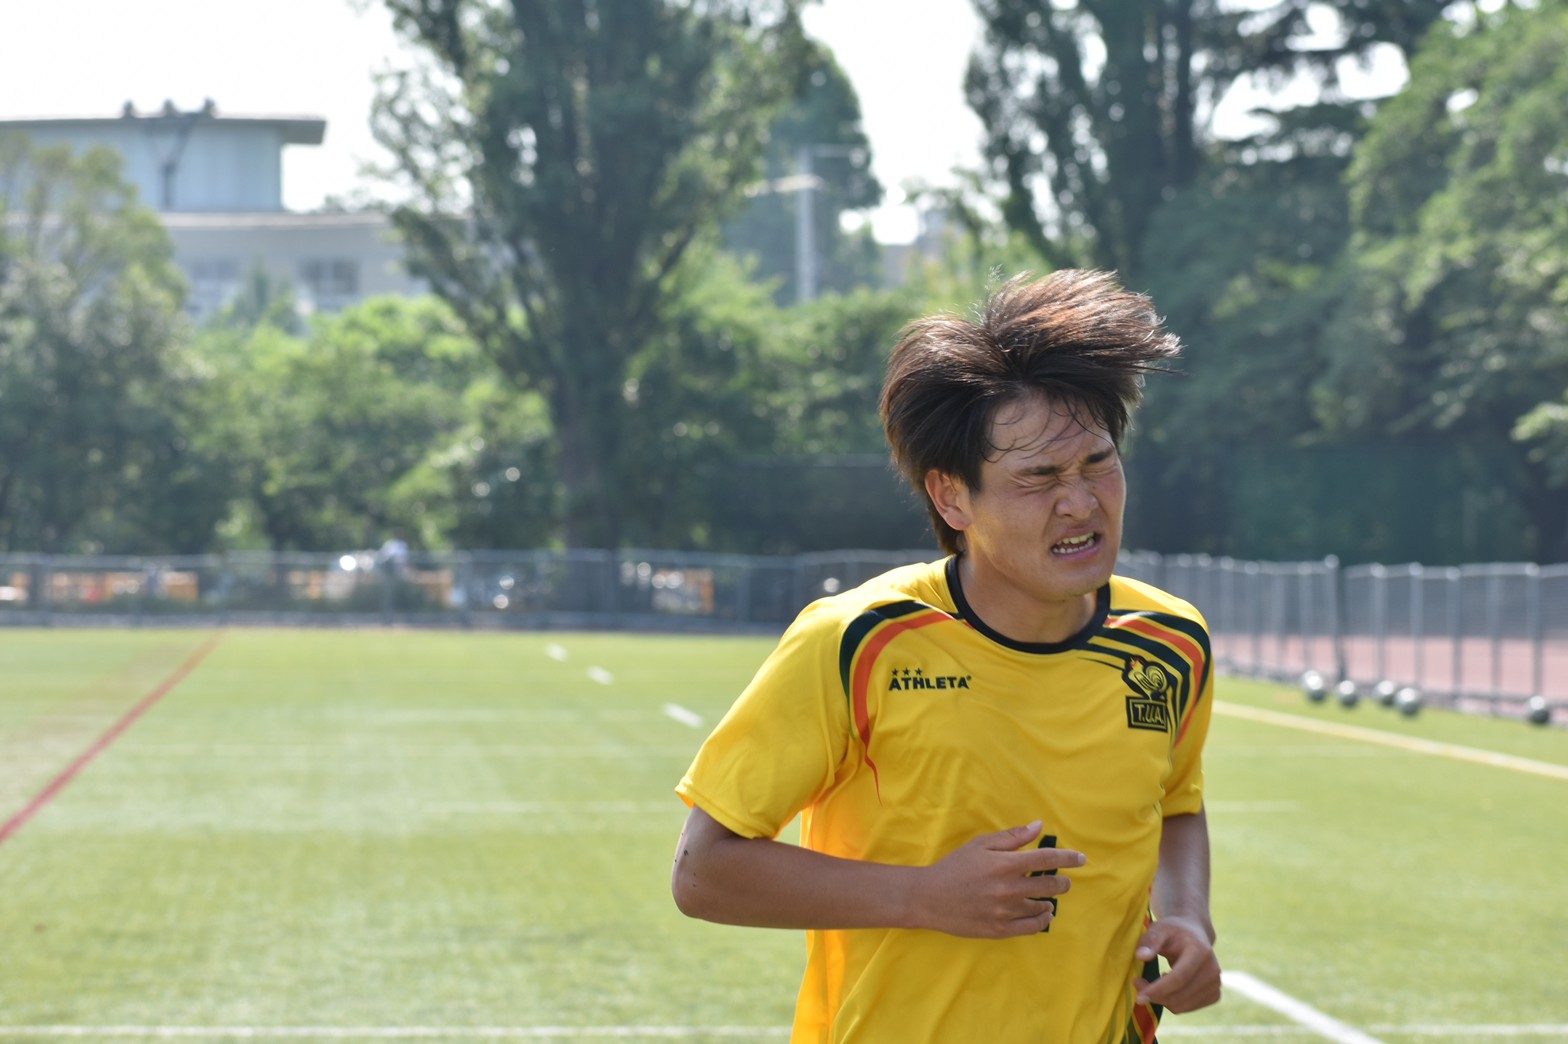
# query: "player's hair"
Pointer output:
{"type": "Point", "coordinates": [1076, 337]}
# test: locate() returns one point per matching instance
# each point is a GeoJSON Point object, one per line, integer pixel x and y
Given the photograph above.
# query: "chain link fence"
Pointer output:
{"type": "Point", "coordinates": [1483, 637]}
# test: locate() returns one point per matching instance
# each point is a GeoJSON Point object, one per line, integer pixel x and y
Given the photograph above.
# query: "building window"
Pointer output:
{"type": "Point", "coordinates": [329, 283]}
{"type": "Point", "coordinates": [214, 281]}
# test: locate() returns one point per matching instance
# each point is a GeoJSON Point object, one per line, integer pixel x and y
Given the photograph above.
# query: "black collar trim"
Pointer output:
{"type": "Point", "coordinates": [1102, 608]}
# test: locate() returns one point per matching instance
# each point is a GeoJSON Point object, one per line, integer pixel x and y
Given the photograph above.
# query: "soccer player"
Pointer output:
{"type": "Point", "coordinates": [996, 757]}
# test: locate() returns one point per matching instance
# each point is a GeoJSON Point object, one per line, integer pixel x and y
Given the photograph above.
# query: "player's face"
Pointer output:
{"type": "Point", "coordinates": [1043, 528]}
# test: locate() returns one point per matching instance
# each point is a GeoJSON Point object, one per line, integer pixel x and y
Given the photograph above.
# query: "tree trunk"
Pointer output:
{"type": "Point", "coordinates": [589, 446]}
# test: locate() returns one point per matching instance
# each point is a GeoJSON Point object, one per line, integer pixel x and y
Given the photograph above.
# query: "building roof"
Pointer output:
{"type": "Point", "coordinates": [297, 129]}
{"type": "Point", "coordinates": [285, 219]}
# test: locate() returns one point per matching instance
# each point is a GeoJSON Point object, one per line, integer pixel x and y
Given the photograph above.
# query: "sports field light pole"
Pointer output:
{"type": "Point", "coordinates": [806, 214]}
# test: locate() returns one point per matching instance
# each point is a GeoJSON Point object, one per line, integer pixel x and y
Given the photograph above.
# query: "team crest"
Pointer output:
{"type": "Point", "coordinates": [1148, 705]}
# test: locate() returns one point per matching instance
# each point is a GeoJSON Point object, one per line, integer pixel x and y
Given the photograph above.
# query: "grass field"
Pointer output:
{"type": "Point", "coordinates": [330, 835]}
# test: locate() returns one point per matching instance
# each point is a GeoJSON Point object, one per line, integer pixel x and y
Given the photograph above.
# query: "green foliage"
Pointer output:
{"type": "Point", "coordinates": [737, 412]}
{"type": "Point", "coordinates": [1419, 499]}
{"type": "Point", "coordinates": [826, 370]}
{"type": "Point", "coordinates": [94, 434]}
{"type": "Point", "coordinates": [1097, 111]}
{"type": "Point", "coordinates": [1546, 426]}
{"type": "Point", "coordinates": [318, 432]}
{"type": "Point", "coordinates": [823, 481]}
{"type": "Point", "coordinates": [1383, 288]}
{"type": "Point", "coordinates": [692, 401]}
{"type": "Point", "coordinates": [561, 160]}
{"type": "Point", "coordinates": [263, 299]}
{"type": "Point", "coordinates": [1247, 266]}
{"type": "Point", "coordinates": [1460, 200]}
{"type": "Point", "coordinates": [492, 483]}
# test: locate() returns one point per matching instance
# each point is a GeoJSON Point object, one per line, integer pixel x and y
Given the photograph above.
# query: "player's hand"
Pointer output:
{"type": "Point", "coordinates": [1193, 980]}
{"type": "Point", "coordinates": [983, 890]}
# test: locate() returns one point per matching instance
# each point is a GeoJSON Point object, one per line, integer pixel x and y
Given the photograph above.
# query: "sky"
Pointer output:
{"type": "Point", "coordinates": [318, 58]}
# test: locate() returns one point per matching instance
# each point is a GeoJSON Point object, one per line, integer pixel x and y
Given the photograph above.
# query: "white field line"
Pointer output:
{"type": "Point", "coordinates": [392, 1032]}
{"type": "Point", "coordinates": [681, 714]}
{"type": "Point", "coordinates": [1295, 1010]}
{"type": "Point", "coordinates": [632, 1032]}
{"type": "Point", "coordinates": [1251, 806]}
{"type": "Point", "coordinates": [1389, 739]}
{"type": "Point", "coordinates": [1559, 1032]}
{"type": "Point", "coordinates": [537, 807]}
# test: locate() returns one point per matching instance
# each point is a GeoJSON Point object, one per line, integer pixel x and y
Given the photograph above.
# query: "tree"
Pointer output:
{"type": "Point", "coordinates": [91, 441]}
{"type": "Point", "coordinates": [490, 484]}
{"type": "Point", "coordinates": [1098, 112]}
{"type": "Point", "coordinates": [561, 159]}
{"type": "Point", "coordinates": [319, 432]}
{"type": "Point", "coordinates": [1546, 426]}
{"type": "Point", "coordinates": [1114, 161]}
{"type": "Point", "coordinates": [1247, 265]}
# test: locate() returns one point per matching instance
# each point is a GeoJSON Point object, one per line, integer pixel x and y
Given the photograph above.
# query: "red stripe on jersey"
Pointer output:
{"type": "Point", "coordinates": [859, 687]}
{"type": "Point", "coordinates": [1147, 1024]}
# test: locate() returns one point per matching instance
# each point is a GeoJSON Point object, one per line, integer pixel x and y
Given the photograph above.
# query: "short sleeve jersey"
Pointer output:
{"type": "Point", "coordinates": [899, 727]}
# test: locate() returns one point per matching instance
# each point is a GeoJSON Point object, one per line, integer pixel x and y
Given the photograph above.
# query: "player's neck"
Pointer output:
{"type": "Point", "coordinates": [1013, 612]}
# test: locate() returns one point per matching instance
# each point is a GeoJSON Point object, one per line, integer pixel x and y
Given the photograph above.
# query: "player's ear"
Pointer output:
{"type": "Point", "coordinates": [950, 496]}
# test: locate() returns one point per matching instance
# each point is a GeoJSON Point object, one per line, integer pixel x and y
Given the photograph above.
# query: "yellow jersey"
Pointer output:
{"type": "Point", "coordinates": [900, 727]}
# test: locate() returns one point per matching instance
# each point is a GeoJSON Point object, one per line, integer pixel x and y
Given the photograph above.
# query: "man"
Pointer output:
{"type": "Point", "coordinates": [996, 757]}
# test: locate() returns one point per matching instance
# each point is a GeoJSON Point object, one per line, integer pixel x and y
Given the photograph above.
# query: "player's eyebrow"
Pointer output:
{"type": "Point", "coordinates": [1048, 470]}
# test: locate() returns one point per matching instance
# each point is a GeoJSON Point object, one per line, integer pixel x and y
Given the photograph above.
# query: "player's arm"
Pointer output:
{"type": "Point", "coordinates": [1184, 931]}
{"type": "Point", "coordinates": [980, 890]}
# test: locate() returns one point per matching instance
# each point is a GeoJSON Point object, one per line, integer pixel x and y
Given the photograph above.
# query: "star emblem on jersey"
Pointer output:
{"type": "Point", "coordinates": [1148, 705]}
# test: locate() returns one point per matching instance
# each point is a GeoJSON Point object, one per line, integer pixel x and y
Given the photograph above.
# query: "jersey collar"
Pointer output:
{"type": "Point", "coordinates": [1102, 608]}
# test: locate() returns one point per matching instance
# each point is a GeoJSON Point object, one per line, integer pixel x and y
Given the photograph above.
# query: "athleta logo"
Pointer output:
{"type": "Point", "coordinates": [1148, 707]}
{"type": "Point", "coordinates": [906, 678]}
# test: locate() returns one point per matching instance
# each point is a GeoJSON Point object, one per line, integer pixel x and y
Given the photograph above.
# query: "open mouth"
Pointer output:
{"type": "Point", "coordinates": [1075, 545]}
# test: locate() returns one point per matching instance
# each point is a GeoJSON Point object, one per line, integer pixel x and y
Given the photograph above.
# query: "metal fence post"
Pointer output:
{"type": "Point", "coordinates": [1456, 627]}
{"type": "Point", "coordinates": [46, 587]}
{"type": "Point", "coordinates": [1494, 614]}
{"type": "Point", "coordinates": [1379, 578]}
{"type": "Point", "coordinates": [1304, 610]}
{"type": "Point", "coordinates": [1225, 585]}
{"type": "Point", "coordinates": [1277, 608]}
{"type": "Point", "coordinates": [1255, 603]}
{"type": "Point", "coordinates": [1335, 629]}
{"type": "Point", "coordinates": [1535, 629]}
{"type": "Point", "coordinates": [143, 591]}
{"type": "Point", "coordinates": [463, 575]}
{"type": "Point", "coordinates": [612, 583]}
{"type": "Point", "coordinates": [1418, 623]}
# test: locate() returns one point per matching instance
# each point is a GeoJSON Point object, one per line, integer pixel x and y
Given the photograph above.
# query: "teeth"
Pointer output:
{"type": "Point", "coordinates": [1072, 544]}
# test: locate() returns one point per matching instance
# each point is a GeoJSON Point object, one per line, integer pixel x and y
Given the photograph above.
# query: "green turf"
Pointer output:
{"type": "Point", "coordinates": [425, 829]}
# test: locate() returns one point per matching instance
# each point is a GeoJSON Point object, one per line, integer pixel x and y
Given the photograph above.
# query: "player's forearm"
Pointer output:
{"type": "Point", "coordinates": [768, 884]}
{"type": "Point", "coordinates": [1181, 885]}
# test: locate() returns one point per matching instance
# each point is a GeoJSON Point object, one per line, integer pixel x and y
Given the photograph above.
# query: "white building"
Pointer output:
{"type": "Point", "coordinates": [217, 184]}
